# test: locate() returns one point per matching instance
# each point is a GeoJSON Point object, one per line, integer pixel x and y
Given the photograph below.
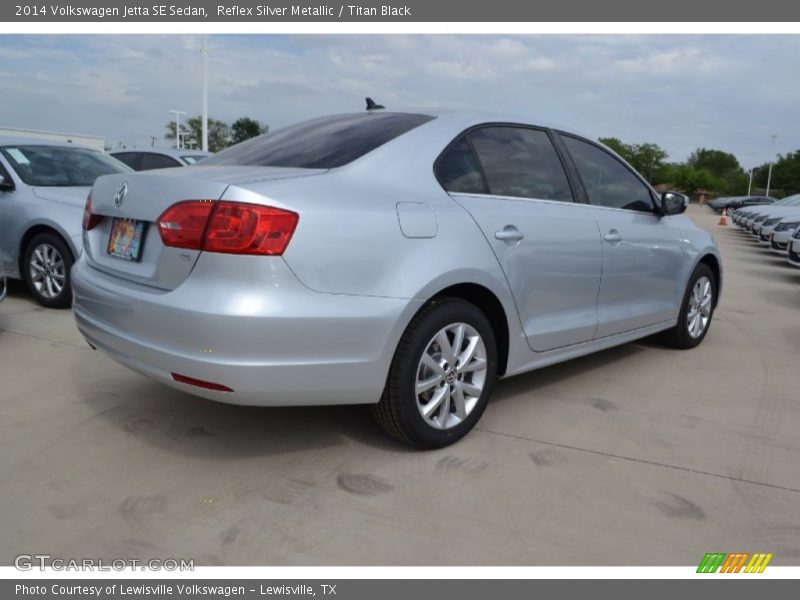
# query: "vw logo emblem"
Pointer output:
{"type": "Point", "coordinates": [119, 198]}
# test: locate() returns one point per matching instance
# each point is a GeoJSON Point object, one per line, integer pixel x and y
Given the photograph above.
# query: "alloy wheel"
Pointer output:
{"type": "Point", "coordinates": [451, 375]}
{"type": "Point", "coordinates": [700, 301]}
{"type": "Point", "coordinates": [48, 271]}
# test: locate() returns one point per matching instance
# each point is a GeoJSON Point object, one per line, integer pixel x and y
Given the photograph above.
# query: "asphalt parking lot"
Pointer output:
{"type": "Point", "coordinates": [637, 455]}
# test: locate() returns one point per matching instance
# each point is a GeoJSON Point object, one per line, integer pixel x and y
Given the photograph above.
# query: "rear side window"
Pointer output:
{"type": "Point", "coordinates": [457, 170]}
{"type": "Point", "coordinates": [323, 143]}
{"type": "Point", "coordinates": [520, 162]}
{"type": "Point", "coordinates": [157, 161]}
{"type": "Point", "coordinates": [607, 181]}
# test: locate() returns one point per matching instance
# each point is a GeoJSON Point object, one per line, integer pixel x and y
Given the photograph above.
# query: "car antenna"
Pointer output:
{"type": "Point", "coordinates": [371, 105]}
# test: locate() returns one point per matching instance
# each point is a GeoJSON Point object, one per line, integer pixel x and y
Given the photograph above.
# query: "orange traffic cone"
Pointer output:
{"type": "Point", "coordinates": [723, 220]}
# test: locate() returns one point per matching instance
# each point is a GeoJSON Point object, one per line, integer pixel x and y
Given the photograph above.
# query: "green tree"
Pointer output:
{"type": "Point", "coordinates": [647, 158]}
{"type": "Point", "coordinates": [618, 146]}
{"type": "Point", "coordinates": [170, 135]}
{"type": "Point", "coordinates": [245, 128]}
{"type": "Point", "coordinates": [718, 163]}
{"type": "Point", "coordinates": [785, 174]}
{"type": "Point", "coordinates": [219, 133]}
{"type": "Point", "coordinates": [691, 179]}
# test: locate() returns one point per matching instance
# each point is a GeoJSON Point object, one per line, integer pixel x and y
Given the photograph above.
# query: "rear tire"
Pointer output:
{"type": "Point", "coordinates": [441, 376]}
{"type": "Point", "coordinates": [46, 268]}
{"type": "Point", "coordinates": [697, 310]}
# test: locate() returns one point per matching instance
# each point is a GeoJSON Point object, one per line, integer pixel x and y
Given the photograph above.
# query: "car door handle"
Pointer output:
{"type": "Point", "coordinates": [613, 237]}
{"type": "Point", "coordinates": [509, 233]}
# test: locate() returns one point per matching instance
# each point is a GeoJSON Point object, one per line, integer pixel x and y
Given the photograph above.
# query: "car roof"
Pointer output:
{"type": "Point", "coordinates": [470, 117]}
{"type": "Point", "coordinates": [173, 152]}
{"type": "Point", "coordinates": [23, 141]}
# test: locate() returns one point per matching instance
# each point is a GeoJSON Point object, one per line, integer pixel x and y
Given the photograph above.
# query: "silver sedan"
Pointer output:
{"type": "Point", "coordinates": [403, 260]}
{"type": "Point", "coordinates": [43, 188]}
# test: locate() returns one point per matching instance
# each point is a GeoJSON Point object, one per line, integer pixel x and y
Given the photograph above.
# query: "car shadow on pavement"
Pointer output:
{"type": "Point", "coordinates": [181, 423]}
{"type": "Point", "coordinates": [533, 380]}
{"type": "Point", "coordinates": [185, 424]}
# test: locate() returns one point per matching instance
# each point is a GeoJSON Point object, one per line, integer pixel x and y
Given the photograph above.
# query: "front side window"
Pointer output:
{"type": "Point", "coordinates": [607, 181]}
{"type": "Point", "coordinates": [60, 166]}
{"type": "Point", "coordinates": [323, 143]}
{"type": "Point", "coordinates": [520, 162]}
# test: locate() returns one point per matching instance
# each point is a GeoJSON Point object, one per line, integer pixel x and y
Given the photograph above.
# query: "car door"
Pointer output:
{"type": "Point", "coordinates": [643, 252]}
{"type": "Point", "coordinates": [511, 180]}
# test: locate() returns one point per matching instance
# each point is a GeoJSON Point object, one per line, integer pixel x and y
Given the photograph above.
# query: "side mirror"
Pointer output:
{"type": "Point", "coordinates": [6, 185]}
{"type": "Point", "coordinates": [672, 203]}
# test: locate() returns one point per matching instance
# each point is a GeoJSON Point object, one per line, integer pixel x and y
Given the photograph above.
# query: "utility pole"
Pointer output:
{"type": "Point", "coordinates": [178, 114]}
{"type": "Point", "coordinates": [205, 93]}
{"type": "Point", "coordinates": [769, 175]}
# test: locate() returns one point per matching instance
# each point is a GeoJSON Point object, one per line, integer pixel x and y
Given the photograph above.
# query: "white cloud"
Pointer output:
{"type": "Point", "coordinates": [678, 91]}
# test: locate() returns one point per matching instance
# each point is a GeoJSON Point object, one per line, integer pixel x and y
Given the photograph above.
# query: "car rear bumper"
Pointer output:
{"type": "Point", "coordinates": [247, 324]}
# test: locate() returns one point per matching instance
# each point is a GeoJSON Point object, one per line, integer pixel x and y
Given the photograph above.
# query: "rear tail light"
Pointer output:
{"type": "Point", "coordinates": [227, 227]}
{"type": "Point", "coordinates": [183, 224]}
{"type": "Point", "coordinates": [90, 221]}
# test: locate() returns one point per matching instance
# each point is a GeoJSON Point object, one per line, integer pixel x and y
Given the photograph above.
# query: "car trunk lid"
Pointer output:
{"type": "Point", "coordinates": [139, 199]}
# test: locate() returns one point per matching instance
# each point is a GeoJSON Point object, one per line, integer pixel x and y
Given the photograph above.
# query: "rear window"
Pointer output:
{"type": "Point", "coordinates": [323, 143]}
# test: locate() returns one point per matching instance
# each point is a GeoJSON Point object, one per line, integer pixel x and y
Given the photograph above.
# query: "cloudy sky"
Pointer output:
{"type": "Point", "coordinates": [681, 92]}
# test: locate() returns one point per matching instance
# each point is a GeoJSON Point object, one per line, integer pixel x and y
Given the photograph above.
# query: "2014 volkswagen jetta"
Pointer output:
{"type": "Point", "coordinates": [399, 259]}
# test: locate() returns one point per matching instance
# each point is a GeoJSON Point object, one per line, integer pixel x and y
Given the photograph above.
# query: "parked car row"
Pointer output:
{"type": "Point", "coordinates": [734, 202]}
{"type": "Point", "coordinates": [775, 226]}
{"type": "Point", "coordinates": [43, 190]}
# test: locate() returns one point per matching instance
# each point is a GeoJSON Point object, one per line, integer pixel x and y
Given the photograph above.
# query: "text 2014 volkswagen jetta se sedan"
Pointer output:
{"type": "Point", "coordinates": [398, 259]}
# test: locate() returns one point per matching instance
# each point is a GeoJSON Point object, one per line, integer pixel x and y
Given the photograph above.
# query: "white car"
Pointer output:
{"type": "Point", "coordinates": [747, 218]}
{"type": "Point", "coordinates": [793, 249]}
{"type": "Point", "coordinates": [787, 218]}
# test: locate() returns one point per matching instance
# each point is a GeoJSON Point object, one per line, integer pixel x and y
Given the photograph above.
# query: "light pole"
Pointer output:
{"type": "Point", "coordinates": [205, 93]}
{"type": "Point", "coordinates": [750, 184]}
{"type": "Point", "coordinates": [769, 174]}
{"type": "Point", "coordinates": [178, 114]}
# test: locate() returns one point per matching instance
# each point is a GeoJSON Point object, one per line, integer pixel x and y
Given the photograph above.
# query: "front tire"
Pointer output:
{"type": "Point", "coordinates": [46, 269]}
{"type": "Point", "coordinates": [697, 310]}
{"type": "Point", "coordinates": [441, 376]}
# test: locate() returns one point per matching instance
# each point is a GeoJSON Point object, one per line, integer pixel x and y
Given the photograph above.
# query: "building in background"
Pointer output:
{"type": "Point", "coordinates": [91, 141]}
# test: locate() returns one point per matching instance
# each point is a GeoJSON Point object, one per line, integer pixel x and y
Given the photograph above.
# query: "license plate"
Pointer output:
{"type": "Point", "coordinates": [126, 238]}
